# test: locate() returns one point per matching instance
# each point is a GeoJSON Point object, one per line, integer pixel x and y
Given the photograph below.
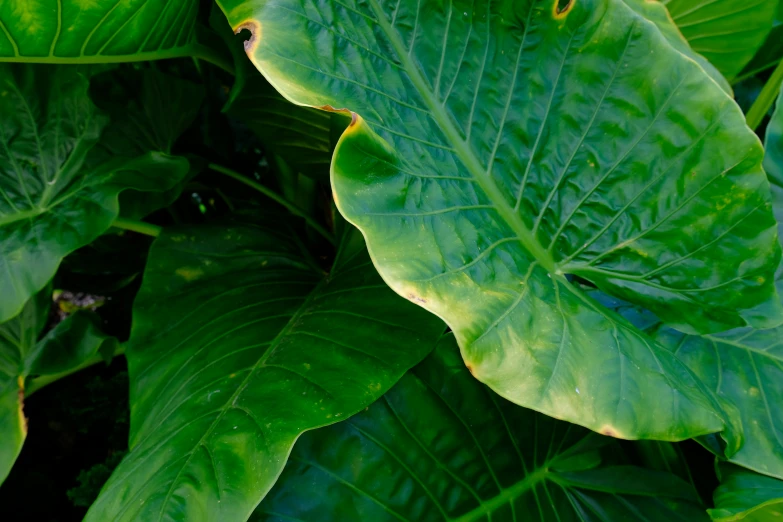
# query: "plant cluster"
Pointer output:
{"type": "Point", "coordinates": [378, 260]}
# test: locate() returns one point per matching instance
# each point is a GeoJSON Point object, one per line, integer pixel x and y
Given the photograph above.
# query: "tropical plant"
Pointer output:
{"type": "Point", "coordinates": [397, 260]}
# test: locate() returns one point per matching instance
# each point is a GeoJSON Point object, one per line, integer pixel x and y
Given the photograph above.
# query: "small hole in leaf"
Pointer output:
{"type": "Point", "coordinates": [563, 6]}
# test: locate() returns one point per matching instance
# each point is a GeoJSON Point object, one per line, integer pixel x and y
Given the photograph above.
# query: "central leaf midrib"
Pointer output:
{"type": "Point", "coordinates": [463, 149]}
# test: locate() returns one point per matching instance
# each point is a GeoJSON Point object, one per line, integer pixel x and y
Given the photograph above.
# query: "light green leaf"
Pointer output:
{"type": "Point", "coordinates": [499, 147]}
{"type": "Point", "coordinates": [58, 191]}
{"type": "Point", "coordinates": [238, 347]}
{"type": "Point", "coordinates": [746, 496]}
{"type": "Point", "coordinates": [441, 446]}
{"type": "Point", "coordinates": [726, 32]}
{"type": "Point", "coordinates": [73, 342]}
{"type": "Point", "coordinates": [83, 31]}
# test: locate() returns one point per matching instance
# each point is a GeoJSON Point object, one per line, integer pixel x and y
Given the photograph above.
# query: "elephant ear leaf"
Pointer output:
{"type": "Point", "coordinates": [58, 190]}
{"type": "Point", "coordinates": [746, 496]}
{"type": "Point", "coordinates": [726, 32]}
{"type": "Point", "coordinates": [75, 341]}
{"type": "Point", "coordinates": [441, 446]}
{"type": "Point", "coordinates": [238, 346]}
{"type": "Point", "coordinates": [73, 31]}
{"type": "Point", "coordinates": [745, 366]}
{"type": "Point", "coordinates": [499, 149]}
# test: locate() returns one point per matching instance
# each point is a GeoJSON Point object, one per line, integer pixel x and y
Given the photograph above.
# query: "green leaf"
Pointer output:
{"type": "Point", "coordinates": [298, 134]}
{"type": "Point", "coordinates": [441, 446]}
{"type": "Point", "coordinates": [771, 50]}
{"type": "Point", "coordinates": [657, 13]}
{"type": "Point", "coordinates": [79, 31]}
{"type": "Point", "coordinates": [149, 111]}
{"type": "Point", "coordinates": [498, 149]}
{"type": "Point", "coordinates": [58, 191]}
{"type": "Point", "coordinates": [745, 366]}
{"type": "Point", "coordinates": [237, 347]}
{"type": "Point", "coordinates": [73, 342]}
{"type": "Point", "coordinates": [726, 32]}
{"type": "Point", "coordinates": [746, 496]}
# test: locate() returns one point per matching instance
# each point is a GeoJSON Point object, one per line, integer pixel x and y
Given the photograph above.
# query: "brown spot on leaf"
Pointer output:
{"type": "Point", "coordinates": [609, 431]}
{"type": "Point", "coordinates": [416, 299]}
{"type": "Point", "coordinates": [470, 369]}
{"type": "Point", "coordinates": [255, 34]}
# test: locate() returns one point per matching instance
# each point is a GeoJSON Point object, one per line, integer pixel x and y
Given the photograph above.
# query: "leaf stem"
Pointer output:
{"type": "Point", "coordinates": [44, 380]}
{"type": "Point", "coordinates": [276, 197]}
{"type": "Point", "coordinates": [141, 227]}
{"type": "Point", "coordinates": [193, 50]}
{"type": "Point", "coordinates": [765, 99]}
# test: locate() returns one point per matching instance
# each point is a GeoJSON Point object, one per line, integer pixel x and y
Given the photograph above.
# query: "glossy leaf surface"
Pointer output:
{"type": "Point", "coordinates": [727, 32]}
{"type": "Point", "coordinates": [78, 31]}
{"type": "Point", "coordinates": [745, 366]}
{"type": "Point", "coordinates": [480, 180]}
{"type": "Point", "coordinates": [747, 496]}
{"type": "Point", "coordinates": [72, 342]}
{"type": "Point", "coordinates": [441, 446]}
{"type": "Point", "coordinates": [238, 346]}
{"type": "Point", "coordinates": [58, 191]}
{"type": "Point", "coordinates": [657, 13]}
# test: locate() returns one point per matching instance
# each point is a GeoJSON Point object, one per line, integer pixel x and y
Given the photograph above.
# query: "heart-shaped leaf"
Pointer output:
{"type": "Point", "coordinates": [73, 31]}
{"type": "Point", "coordinates": [73, 342]}
{"type": "Point", "coordinates": [727, 32]}
{"type": "Point", "coordinates": [58, 191]}
{"type": "Point", "coordinates": [499, 148]}
{"type": "Point", "coordinates": [746, 496]}
{"type": "Point", "coordinates": [441, 446]}
{"type": "Point", "coordinates": [237, 347]}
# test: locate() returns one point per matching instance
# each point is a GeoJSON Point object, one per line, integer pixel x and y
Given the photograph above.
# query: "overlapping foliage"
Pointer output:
{"type": "Point", "coordinates": [568, 188]}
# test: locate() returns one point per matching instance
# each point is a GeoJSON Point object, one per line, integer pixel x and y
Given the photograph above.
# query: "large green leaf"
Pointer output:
{"type": "Point", "coordinates": [499, 147]}
{"type": "Point", "coordinates": [238, 347]}
{"type": "Point", "coordinates": [441, 446]}
{"type": "Point", "coordinates": [58, 191]}
{"type": "Point", "coordinates": [727, 32]}
{"type": "Point", "coordinates": [745, 366]}
{"type": "Point", "coordinates": [747, 496]}
{"type": "Point", "coordinates": [70, 344]}
{"type": "Point", "coordinates": [79, 31]}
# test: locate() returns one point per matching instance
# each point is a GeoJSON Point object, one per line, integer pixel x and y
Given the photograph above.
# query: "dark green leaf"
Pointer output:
{"type": "Point", "coordinates": [499, 147]}
{"type": "Point", "coordinates": [70, 344]}
{"type": "Point", "coordinates": [83, 31]}
{"type": "Point", "coordinates": [727, 32]}
{"type": "Point", "coordinates": [238, 346]}
{"type": "Point", "coordinates": [58, 191]}
{"type": "Point", "coordinates": [746, 496]}
{"type": "Point", "coordinates": [441, 446]}
{"type": "Point", "coordinates": [771, 50]}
